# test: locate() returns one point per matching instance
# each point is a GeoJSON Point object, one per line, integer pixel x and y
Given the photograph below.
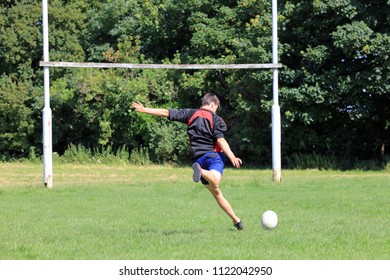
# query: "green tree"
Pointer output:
{"type": "Point", "coordinates": [20, 53]}
{"type": "Point", "coordinates": [16, 124]}
{"type": "Point", "coordinates": [20, 38]}
{"type": "Point", "coordinates": [334, 86]}
{"type": "Point", "coordinates": [335, 83]}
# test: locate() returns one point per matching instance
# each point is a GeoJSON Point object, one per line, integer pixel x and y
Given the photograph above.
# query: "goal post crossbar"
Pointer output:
{"type": "Point", "coordinates": [158, 66]}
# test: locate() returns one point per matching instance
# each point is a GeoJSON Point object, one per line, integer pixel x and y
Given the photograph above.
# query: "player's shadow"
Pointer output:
{"type": "Point", "coordinates": [170, 232]}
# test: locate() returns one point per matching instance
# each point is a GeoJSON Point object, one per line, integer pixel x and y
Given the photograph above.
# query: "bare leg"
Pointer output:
{"type": "Point", "coordinates": [214, 178]}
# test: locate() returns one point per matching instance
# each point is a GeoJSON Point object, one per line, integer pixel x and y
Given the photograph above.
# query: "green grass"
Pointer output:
{"type": "Point", "coordinates": [157, 212]}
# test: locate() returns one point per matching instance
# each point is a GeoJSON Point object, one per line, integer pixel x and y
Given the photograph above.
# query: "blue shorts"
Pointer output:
{"type": "Point", "coordinates": [212, 161]}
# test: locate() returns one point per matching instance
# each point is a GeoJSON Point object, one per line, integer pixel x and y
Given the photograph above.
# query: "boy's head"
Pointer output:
{"type": "Point", "coordinates": [210, 98]}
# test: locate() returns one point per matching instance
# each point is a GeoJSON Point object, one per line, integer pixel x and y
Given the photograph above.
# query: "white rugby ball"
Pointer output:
{"type": "Point", "coordinates": [269, 220]}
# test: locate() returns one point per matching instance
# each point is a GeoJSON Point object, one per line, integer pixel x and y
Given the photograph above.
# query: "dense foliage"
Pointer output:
{"type": "Point", "coordinates": [334, 85]}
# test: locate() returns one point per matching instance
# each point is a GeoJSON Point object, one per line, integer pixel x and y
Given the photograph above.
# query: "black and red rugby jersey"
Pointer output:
{"type": "Point", "coordinates": [203, 128]}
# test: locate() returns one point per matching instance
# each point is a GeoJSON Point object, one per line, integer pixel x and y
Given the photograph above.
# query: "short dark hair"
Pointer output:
{"type": "Point", "coordinates": [209, 98]}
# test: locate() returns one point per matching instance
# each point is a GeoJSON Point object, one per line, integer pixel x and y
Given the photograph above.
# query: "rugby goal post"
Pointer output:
{"type": "Point", "coordinates": [47, 113]}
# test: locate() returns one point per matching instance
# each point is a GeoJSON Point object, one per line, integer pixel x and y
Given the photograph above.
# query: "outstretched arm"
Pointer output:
{"type": "Point", "coordinates": [237, 162]}
{"type": "Point", "coordinates": [151, 111]}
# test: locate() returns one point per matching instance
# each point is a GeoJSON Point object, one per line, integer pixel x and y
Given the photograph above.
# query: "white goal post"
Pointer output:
{"type": "Point", "coordinates": [47, 113]}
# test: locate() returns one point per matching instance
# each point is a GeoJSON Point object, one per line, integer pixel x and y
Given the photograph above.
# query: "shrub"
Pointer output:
{"type": "Point", "coordinates": [168, 142]}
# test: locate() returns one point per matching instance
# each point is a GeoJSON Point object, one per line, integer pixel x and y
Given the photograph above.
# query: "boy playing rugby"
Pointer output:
{"type": "Point", "coordinates": [209, 148]}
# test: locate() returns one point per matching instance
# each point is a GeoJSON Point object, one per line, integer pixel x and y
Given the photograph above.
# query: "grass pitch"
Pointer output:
{"type": "Point", "coordinates": [116, 212]}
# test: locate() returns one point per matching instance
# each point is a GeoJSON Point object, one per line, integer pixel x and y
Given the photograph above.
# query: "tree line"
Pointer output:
{"type": "Point", "coordinates": [334, 84]}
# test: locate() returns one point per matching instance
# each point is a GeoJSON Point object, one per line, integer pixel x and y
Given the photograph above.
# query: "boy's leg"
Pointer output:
{"type": "Point", "coordinates": [214, 178]}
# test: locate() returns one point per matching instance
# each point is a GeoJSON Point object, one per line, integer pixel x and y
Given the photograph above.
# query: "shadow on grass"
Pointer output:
{"type": "Point", "coordinates": [170, 232]}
